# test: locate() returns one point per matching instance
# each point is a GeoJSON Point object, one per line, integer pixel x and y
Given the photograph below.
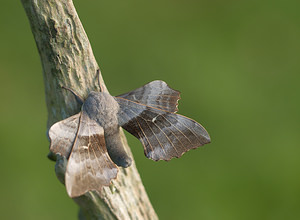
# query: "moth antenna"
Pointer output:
{"type": "Point", "coordinates": [77, 97]}
{"type": "Point", "coordinates": [98, 75]}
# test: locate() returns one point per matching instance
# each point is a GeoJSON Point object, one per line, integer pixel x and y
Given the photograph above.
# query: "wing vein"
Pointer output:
{"type": "Point", "coordinates": [187, 128]}
{"type": "Point", "coordinates": [151, 131]}
{"type": "Point", "coordinates": [144, 134]}
{"type": "Point", "coordinates": [141, 138]}
{"type": "Point", "coordinates": [166, 137]}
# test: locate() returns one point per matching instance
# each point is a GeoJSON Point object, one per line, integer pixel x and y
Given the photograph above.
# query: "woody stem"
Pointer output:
{"type": "Point", "coordinates": [67, 60]}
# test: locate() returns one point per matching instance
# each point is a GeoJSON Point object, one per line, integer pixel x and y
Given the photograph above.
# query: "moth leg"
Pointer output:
{"type": "Point", "coordinates": [78, 98]}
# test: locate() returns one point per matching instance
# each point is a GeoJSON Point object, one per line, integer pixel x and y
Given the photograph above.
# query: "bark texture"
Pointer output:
{"type": "Point", "coordinates": [67, 59]}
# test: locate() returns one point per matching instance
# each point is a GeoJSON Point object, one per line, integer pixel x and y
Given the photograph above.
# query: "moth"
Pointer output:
{"type": "Point", "coordinates": [91, 139]}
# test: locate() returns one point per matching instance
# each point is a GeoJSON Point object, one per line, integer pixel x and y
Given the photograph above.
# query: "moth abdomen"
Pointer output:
{"type": "Point", "coordinates": [116, 149]}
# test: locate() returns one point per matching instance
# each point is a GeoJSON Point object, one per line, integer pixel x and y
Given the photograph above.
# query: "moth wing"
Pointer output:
{"type": "Point", "coordinates": [163, 134]}
{"type": "Point", "coordinates": [62, 135]}
{"type": "Point", "coordinates": [89, 166]}
{"type": "Point", "coordinates": [155, 94]}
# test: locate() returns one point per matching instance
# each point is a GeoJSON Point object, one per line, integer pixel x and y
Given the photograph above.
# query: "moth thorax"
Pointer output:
{"type": "Point", "coordinates": [103, 108]}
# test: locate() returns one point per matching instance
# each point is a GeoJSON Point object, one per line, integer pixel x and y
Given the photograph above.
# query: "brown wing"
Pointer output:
{"type": "Point", "coordinates": [155, 94]}
{"type": "Point", "coordinates": [89, 166]}
{"type": "Point", "coordinates": [163, 134]}
{"type": "Point", "coordinates": [62, 135]}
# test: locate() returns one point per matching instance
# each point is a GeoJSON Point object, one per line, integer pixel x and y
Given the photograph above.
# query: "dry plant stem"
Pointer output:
{"type": "Point", "coordinates": [68, 60]}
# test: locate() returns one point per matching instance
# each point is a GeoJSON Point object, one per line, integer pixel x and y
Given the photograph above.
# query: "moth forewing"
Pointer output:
{"type": "Point", "coordinates": [62, 135]}
{"type": "Point", "coordinates": [89, 166]}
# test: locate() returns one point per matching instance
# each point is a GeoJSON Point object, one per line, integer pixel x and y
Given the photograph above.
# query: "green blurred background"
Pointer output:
{"type": "Point", "coordinates": [237, 66]}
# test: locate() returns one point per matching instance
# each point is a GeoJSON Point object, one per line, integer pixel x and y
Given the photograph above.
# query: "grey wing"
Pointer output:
{"type": "Point", "coordinates": [62, 135]}
{"type": "Point", "coordinates": [89, 166]}
{"type": "Point", "coordinates": [156, 94]}
{"type": "Point", "coordinates": [164, 135]}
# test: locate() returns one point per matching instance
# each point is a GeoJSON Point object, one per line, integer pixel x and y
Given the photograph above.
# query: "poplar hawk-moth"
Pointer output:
{"type": "Point", "coordinates": [91, 139]}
